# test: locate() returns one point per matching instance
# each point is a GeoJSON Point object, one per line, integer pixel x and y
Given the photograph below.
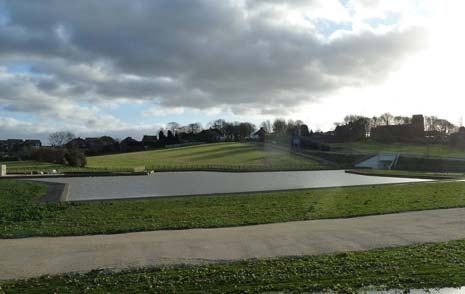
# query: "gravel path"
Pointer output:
{"type": "Point", "coordinates": [23, 258]}
{"type": "Point", "coordinates": [204, 183]}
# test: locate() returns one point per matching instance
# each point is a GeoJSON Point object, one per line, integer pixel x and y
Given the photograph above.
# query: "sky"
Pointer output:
{"type": "Point", "coordinates": [127, 68]}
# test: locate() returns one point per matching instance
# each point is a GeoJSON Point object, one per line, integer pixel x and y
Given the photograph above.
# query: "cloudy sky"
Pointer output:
{"type": "Point", "coordinates": [124, 68]}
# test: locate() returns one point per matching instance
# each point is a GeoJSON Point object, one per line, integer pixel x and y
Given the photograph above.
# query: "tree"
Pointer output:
{"type": "Point", "coordinates": [173, 126]}
{"type": "Point", "coordinates": [245, 129]}
{"type": "Point", "coordinates": [402, 120]}
{"type": "Point", "coordinates": [75, 158]}
{"type": "Point", "coordinates": [386, 119]}
{"type": "Point", "coordinates": [194, 128]}
{"type": "Point", "coordinates": [59, 139]}
{"type": "Point", "coordinates": [279, 126]}
{"type": "Point", "coordinates": [266, 125]}
{"type": "Point", "coordinates": [162, 137]}
{"type": "Point", "coordinates": [304, 130]}
{"type": "Point", "coordinates": [219, 124]}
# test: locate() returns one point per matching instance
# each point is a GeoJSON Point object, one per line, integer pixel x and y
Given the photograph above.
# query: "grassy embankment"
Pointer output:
{"type": "Point", "coordinates": [22, 216]}
{"type": "Point", "coordinates": [219, 156]}
{"type": "Point", "coordinates": [422, 266]}
{"type": "Point", "coordinates": [406, 148]}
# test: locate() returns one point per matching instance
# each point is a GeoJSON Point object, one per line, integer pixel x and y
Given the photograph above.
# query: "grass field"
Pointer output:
{"type": "Point", "coordinates": [219, 156]}
{"type": "Point", "coordinates": [431, 149]}
{"type": "Point", "coordinates": [22, 216]}
{"type": "Point", "coordinates": [414, 267]}
{"type": "Point", "coordinates": [223, 156]}
{"type": "Point", "coordinates": [26, 167]}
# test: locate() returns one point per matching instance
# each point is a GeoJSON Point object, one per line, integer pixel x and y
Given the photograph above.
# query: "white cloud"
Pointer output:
{"type": "Point", "coordinates": [256, 58]}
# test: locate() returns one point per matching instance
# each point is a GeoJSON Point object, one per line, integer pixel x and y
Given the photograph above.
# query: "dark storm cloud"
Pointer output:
{"type": "Point", "coordinates": [197, 54]}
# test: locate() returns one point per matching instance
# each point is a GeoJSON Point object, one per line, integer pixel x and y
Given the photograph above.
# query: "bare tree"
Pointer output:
{"type": "Point", "coordinates": [402, 120]}
{"type": "Point", "coordinates": [386, 118]}
{"type": "Point", "coordinates": [279, 125]}
{"type": "Point", "coordinates": [194, 127]}
{"type": "Point", "coordinates": [266, 125]}
{"type": "Point", "coordinates": [60, 139]}
{"type": "Point", "coordinates": [218, 124]}
{"type": "Point", "coordinates": [173, 126]}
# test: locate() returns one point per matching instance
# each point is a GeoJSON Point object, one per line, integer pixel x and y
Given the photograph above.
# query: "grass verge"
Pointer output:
{"type": "Point", "coordinates": [22, 216]}
{"type": "Point", "coordinates": [421, 266]}
{"type": "Point", "coordinates": [405, 148]}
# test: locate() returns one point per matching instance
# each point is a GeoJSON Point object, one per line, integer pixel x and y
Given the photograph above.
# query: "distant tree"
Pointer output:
{"type": "Point", "coordinates": [171, 138]}
{"type": "Point", "coordinates": [386, 119]}
{"type": "Point", "coordinates": [59, 139]}
{"type": "Point", "coordinates": [445, 127]}
{"type": "Point", "coordinates": [173, 126]}
{"type": "Point", "coordinates": [162, 137]}
{"type": "Point", "coordinates": [219, 124]}
{"type": "Point", "coordinates": [279, 126]}
{"type": "Point", "coordinates": [402, 120]}
{"type": "Point", "coordinates": [194, 128]}
{"type": "Point", "coordinates": [229, 131]}
{"type": "Point", "coordinates": [266, 125]}
{"type": "Point", "coordinates": [245, 129]}
{"type": "Point", "coordinates": [304, 130]}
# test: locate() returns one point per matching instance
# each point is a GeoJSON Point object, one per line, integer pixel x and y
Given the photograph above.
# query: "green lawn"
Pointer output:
{"type": "Point", "coordinates": [219, 156]}
{"type": "Point", "coordinates": [414, 267]}
{"type": "Point", "coordinates": [431, 149]}
{"type": "Point", "coordinates": [26, 167]}
{"type": "Point", "coordinates": [22, 216]}
{"type": "Point", "coordinates": [223, 156]}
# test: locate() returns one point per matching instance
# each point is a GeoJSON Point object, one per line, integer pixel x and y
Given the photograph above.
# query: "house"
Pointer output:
{"type": "Point", "coordinates": [129, 145]}
{"type": "Point", "coordinates": [33, 143]}
{"type": "Point", "coordinates": [149, 141]}
{"type": "Point", "coordinates": [18, 148]}
{"type": "Point", "coordinates": [77, 143]}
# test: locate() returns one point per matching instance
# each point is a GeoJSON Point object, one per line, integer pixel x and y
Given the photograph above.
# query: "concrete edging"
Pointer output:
{"type": "Point", "coordinates": [56, 192]}
{"type": "Point", "coordinates": [400, 176]}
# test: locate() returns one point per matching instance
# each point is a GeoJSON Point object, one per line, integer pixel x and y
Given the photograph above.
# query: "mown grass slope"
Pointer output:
{"type": "Point", "coordinates": [222, 156]}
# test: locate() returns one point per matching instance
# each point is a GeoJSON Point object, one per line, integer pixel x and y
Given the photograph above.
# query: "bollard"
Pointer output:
{"type": "Point", "coordinates": [2, 170]}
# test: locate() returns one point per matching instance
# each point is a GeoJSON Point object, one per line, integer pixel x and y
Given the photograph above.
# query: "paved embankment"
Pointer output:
{"type": "Point", "coordinates": [204, 183]}
{"type": "Point", "coordinates": [23, 258]}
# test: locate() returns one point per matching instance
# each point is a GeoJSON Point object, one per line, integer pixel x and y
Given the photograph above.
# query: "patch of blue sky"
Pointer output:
{"type": "Point", "coordinates": [390, 19]}
{"type": "Point", "coordinates": [21, 116]}
{"type": "Point", "coordinates": [3, 14]}
{"type": "Point", "coordinates": [134, 113]}
{"type": "Point", "coordinates": [327, 27]}
{"type": "Point", "coordinates": [19, 68]}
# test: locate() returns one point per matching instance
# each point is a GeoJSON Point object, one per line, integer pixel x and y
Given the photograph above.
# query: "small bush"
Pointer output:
{"type": "Point", "coordinates": [75, 158]}
{"type": "Point", "coordinates": [72, 157]}
{"type": "Point", "coordinates": [53, 155]}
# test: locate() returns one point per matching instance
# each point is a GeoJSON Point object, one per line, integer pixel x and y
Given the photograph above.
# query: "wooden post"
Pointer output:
{"type": "Point", "coordinates": [2, 170]}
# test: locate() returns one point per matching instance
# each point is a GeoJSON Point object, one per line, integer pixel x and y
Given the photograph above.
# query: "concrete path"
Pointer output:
{"type": "Point", "coordinates": [204, 183]}
{"type": "Point", "coordinates": [23, 258]}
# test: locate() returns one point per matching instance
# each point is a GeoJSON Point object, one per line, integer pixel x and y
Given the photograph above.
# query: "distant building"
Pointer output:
{"type": "Point", "coordinates": [150, 142]}
{"type": "Point", "coordinates": [395, 133]}
{"type": "Point", "coordinates": [352, 131]}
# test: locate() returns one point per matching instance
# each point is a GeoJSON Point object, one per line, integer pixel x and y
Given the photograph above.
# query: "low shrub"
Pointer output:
{"type": "Point", "coordinates": [75, 158]}
{"type": "Point", "coordinates": [71, 157]}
